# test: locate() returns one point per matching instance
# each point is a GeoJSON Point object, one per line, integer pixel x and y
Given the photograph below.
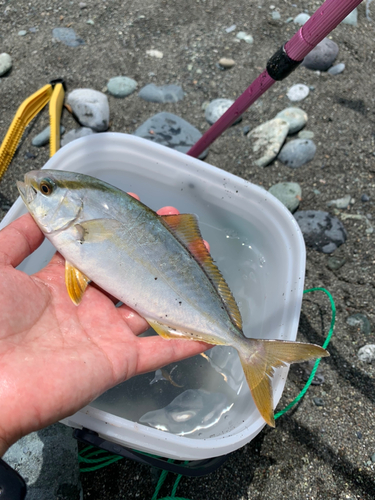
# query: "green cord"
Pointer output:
{"type": "Point", "coordinates": [162, 477]}
{"type": "Point", "coordinates": [109, 458]}
{"type": "Point", "coordinates": [310, 379]}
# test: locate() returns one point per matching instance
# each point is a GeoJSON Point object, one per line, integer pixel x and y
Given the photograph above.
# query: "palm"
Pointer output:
{"type": "Point", "coordinates": [58, 357]}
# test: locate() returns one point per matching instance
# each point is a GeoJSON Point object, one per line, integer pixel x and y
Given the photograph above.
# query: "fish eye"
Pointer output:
{"type": "Point", "coordinates": [46, 187]}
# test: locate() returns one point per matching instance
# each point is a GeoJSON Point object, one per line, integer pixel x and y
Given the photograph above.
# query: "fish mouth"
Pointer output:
{"type": "Point", "coordinates": [27, 192]}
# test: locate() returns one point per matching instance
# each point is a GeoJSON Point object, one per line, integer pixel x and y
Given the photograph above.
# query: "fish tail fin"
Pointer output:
{"type": "Point", "coordinates": [260, 357]}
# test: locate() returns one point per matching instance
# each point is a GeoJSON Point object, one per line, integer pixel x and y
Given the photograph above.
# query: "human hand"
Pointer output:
{"type": "Point", "coordinates": [56, 357]}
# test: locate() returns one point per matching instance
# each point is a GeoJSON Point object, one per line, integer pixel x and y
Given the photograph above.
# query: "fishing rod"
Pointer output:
{"type": "Point", "coordinates": [280, 65]}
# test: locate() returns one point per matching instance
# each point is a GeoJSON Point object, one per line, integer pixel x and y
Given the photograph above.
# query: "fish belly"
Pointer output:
{"type": "Point", "coordinates": [147, 268]}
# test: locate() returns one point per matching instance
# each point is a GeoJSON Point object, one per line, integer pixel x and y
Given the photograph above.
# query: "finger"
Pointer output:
{"type": "Point", "coordinates": [155, 352]}
{"type": "Point", "coordinates": [19, 239]}
{"type": "Point", "coordinates": [135, 322]}
{"type": "Point", "coordinates": [174, 211]}
{"type": "Point", "coordinates": [168, 211]}
{"type": "Point", "coordinates": [134, 196]}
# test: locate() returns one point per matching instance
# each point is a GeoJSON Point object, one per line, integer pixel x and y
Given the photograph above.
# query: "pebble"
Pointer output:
{"type": "Point", "coordinates": [155, 53]}
{"type": "Point", "coordinates": [121, 86]}
{"type": "Point", "coordinates": [217, 108]}
{"type": "Point", "coordinates": [306, 134]}
{"type": "Point", "coordinates": [335, 263]}
{"type": "Point", "coordinates": [226, 63]}
{"type": "Point", "coordinates": [67, 36]}
{"type": "Point", "coordinates": [76, 133]}
{"type": "Point", "coordinates": [164, 93]}
{"type": "Point", "coordinates": [321, 230]}
{"type": "Point", "coordinates": [5, 63]}
{"type": "Point", "coordinates": [289, 193]}
{"type": "Point", "coordinates": [171, 131]}
{"type": "Point", "coordinates": [43, 137]}
{"type": "Point", "coordinates": [322, 56]}
{"type": "Point", "coordinates": [82, 5]}
{"type": "Point", "coordinates": [336, 69]}
{"type": "Point", "coordinates": [318, 401]}
{"type": "Point", "coordinates": [307, 368]}
{"type": "Point", "coordinates": [267, 140]}
{"type": "Point", "coordinates": [242, 35]}
{"type": "Point", "coordinates": [276, 16]}
{"type": "Point", "coordinates": [367, 353]}
{"type": "Point", "coordinates": [90, 107]}
{"type": "Point", "coordinates": [360, 322]}
{"type": "Point", "coordinates": [351, 18]}
{"type": "Point", "coordinates": [22, 33]}
{"type": "Point", "coordinates": [365, 198]}
{"type": "Point", "coordinates": [295, 117]}
{"type": "Point", "coordinates": [301, 19]}
{"type": "Point", "coordinates": [340, 202]}
{"type": "Point", "coordinates": [298, 92]}
{"type": "Point", "coordinates": [231, 28]}
{"type": "Point", "coordinates": [297, 152]}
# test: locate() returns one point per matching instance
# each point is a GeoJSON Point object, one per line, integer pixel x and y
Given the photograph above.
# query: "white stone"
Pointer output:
{"type": "Point", "coordinates": [301, 19]}
{"type": "Point", "coordinates": [242, 35]}
{"type": "Point", "coordinates": [155, 53]}
{"type": "Point", "coordinates": [367, 353]}
{"type": "Point", "coordinates": [74, 134]}
{"type": "Point", "coordinates": [295, 117]}
{"type": "Point", "coordinates": [5, 63]}
{"type": "Point", "coordinates": [90, 107]}
{"type": "Point", "coordinates": [298, 92]}
{"type": "Point", "coordinates": [216, 109]}
{"type": "Point", "coordinates": [267, 140]}
{"type": "Point", "coordinates": [340, 202]}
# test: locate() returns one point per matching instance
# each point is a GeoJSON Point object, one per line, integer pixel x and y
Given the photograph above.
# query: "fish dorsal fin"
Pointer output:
{"type": "Point", "coordinates": [185, 228]}
{"type": "Point", "coordinates": [76, 282]}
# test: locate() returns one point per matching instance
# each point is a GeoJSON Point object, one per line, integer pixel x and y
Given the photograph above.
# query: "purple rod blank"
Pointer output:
{"type": "Point", "coordinates": [320, 24]}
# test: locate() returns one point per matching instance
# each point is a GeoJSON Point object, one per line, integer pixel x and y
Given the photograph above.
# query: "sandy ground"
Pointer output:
{"type": "Point", "coordinates": [314, 452]}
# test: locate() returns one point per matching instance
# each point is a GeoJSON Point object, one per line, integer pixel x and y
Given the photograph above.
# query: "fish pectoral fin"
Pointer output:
{"type": "Point", "coordinates": [97, 230]}
{"type": "Point", "coordinates": [164, 331]}
{"type": "Point", "coordinates": [76, 282]}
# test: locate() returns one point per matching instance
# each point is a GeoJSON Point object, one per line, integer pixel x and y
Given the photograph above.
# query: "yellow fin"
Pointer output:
{"type": "Point", "coordinates": [164, 331]}
{"type": "Point", "coordinates": [260, 357]}
{"type": "Point", "coordinates": [185, 228]}
{"type": "Point", "coordinates": [76, 282]}
{"type": "Point", "coordinates": [97, 230]}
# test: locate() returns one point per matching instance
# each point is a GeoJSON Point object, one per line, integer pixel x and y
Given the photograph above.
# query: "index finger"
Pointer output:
{"type": "Point", "coordinates": [18, 240]}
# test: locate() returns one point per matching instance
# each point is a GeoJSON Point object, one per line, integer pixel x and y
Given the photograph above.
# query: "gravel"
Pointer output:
{"type": "Point", "coordinates": [314, 452]}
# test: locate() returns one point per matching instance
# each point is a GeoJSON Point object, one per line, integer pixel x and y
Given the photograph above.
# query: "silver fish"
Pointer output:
{"type": "Point", "coordinates": [158, 265]}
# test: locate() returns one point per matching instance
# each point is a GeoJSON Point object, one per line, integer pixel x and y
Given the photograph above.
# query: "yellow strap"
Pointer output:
{"type": "Point", "coordinates": [25, 113]}
{"type": "Point", "coordinates": [55, 109]}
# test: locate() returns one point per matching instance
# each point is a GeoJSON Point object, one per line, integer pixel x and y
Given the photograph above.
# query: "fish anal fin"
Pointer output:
{"type": "Point", "coordinates": [76, 282]}
{"type": "Point", "coordinates": [260, 357]}
{"type": "Point", "coordinates": [186, 229]}
{"type": "Point", "coordinates": [164, 331]}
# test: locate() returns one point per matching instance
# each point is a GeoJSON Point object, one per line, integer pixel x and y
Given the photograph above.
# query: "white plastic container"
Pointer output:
{"type": "Point", "coordinates": [257, 245]}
